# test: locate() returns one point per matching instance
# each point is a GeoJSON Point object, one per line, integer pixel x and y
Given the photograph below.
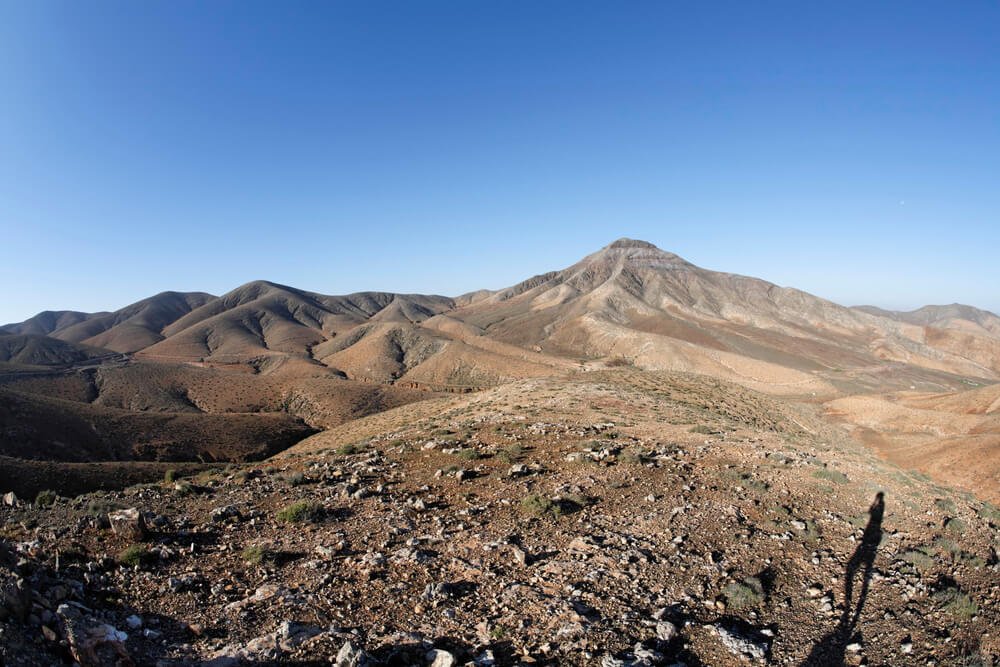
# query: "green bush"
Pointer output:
{"type": "Point", "coordinates": [945, 546]}
{"type": "Point", "coordinates": [632, 457]}
{"type": "Point", "coordinates": [956, 603]}
{"type": "Point", "coordinates": [511, 454]}
{"type": "Point", "coordinates": [295, 479]}
{"type": "Point", "coordinates": [743, 594]}
{"type": "Point", "coordinates": [990, 513]}
{"type": "Point", "coordinates": [169, 476]}
{"type": "Point", "coordinates": [46, 498]}
{"type": "Point", "coordinates": [99, 506]}
{"type": "Point", "coordinates": [133, 555]}
{"type": "Point", "coordinates": [831, 475]}
{"type": "Point", "coordinates": [468, 454]}
{"type": "Point", "coordinates": [746, 480]}
{"type": "Point", "coordinates": [539, 505]}
{"type": "Point", "coordinates": [300, 512]}
{"type": "Point", "coordinates": [945, 505]}
{"type": "Point", "coordinates": [259, 554]}
{"type": "Point", "coordinates": [183, 488]}
{"type": "Point", "coordinates": [348, 449]}
{"type": "Point", "coordinates": [955, 526]}
{"type": "Point", "coordinates": [919, 558]}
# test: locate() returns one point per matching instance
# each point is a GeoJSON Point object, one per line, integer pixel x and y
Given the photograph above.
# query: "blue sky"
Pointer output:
{"type": "Point", "coordinates": [851, 150]}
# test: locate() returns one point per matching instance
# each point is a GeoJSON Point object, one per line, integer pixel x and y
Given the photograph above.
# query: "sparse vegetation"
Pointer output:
{"type": "Point", "coordinates": [99, 506]}
{"type": "Point", "coordinates": [169, 476]}
{"type": "Point", "coordinates": [46, 498]}
{"type": "Point", "coordinates": [133, 555]}
{"type": "Point", "coordinates": [348, 449]}
{"type": "Point", "coordinates": [259, 554]}
{"type": "Point", "coordinates": [183, 488]}
{"type": "Point", "coordinates": [539, 505]}
{"type": "Point", "coordinates": [956, 602]}
{"type": "Point", "coordinates": [831, 475]}
{"type": "Point", "coordinates": [945, 505]}
{"type": "Point", "coordinates": [744, 479]}
{"type": "Point", "coordinates": [990, 513]}
{"type": "Point", "coordinates": [295, 479]}
{"type": "Point", "coordinates": [678, 528]}
{"type": "Point", "coordinates": [919, 558]}
{"type": "Point", "coordinates": [511, 454]}
{"type": "Point", "coordinates": [743, 594]}
{"type": "Point", "coordinates": [946, 547]}
{"type": "Point", "coordinates": [632, 457]}
{"type": "Point", "coordinates": [955, 526]}
{"type": "Point", "coordinates": [300, 512]}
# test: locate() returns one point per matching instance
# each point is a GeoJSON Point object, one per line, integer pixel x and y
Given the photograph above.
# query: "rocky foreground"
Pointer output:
{"type": "Point", "coordinates": [615, 519]}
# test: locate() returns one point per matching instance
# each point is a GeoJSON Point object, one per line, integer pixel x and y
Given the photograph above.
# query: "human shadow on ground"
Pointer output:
{"type": "Point", "coordinates": [831, 650]}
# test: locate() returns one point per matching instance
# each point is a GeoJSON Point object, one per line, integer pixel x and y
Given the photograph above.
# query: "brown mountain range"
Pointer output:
{"type": "Point", "coordinates": [269, 349]}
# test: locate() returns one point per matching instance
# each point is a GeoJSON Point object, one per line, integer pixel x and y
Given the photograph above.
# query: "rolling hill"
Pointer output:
{"type": "Point", "coordinates": [265, 347]}
{"type": "Point", "coordinates": [25, 350]}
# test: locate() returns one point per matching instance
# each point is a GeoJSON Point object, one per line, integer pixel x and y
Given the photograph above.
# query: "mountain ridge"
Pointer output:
{"type": "Point", "coordinates": [629, 299]}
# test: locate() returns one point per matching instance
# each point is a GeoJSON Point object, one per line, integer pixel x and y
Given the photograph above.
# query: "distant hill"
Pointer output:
{"type": "Point", "coordinates": [942, 316]}
{"type": "Point", "coordinates": [237, 372]}
{"type": "Point", "coordinates": [136, 326]}
{"type": "Point", "coordinates": [48, 321]}
{"type": "Point", "coordinates": [131, 328]}
{"type": "Point", "coordinates": [630, 301]}
{"type": "Point", "coordinates": [263, 318]}
{"type": "Point", "coordinates": [36, 350]}
{"type": "Point", "coordinates": [635, 302]}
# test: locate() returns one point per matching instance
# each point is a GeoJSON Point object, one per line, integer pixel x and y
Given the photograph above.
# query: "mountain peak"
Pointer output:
{"type": "Point", "coordinates": [632, 243]}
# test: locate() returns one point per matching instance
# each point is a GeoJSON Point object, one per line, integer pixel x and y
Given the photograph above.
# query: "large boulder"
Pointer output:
{"type": "Point", "coordinates": [128, 523]}
{"type": "Point", "coordinates": [14, 599]}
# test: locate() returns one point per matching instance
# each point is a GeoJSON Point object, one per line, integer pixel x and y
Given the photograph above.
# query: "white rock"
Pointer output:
{"type": "Point", "coordinates": [440, 658]}
{"type": "Point", "coordinates": [350, 656]}
{"type": "Point", "coordinates": [666, 631]}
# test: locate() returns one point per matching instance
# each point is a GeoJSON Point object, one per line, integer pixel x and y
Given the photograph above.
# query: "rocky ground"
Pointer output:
{"type": "Point", "coordinates": [618, 518]}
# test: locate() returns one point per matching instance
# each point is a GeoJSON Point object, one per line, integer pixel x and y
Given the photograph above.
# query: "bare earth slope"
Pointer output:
{"type": "Point", "coordinates": [37, 427]}
{"type": "Point", "coordinates": [27, 350]}
{"type": "Point", "coordinates": [657, 310]}
{"type": "Point", "coordinates": [136, 326]}
{"type": "Point", "coordinates": [261, 318]}
{"type": "Point", "coordinates": [608, 518]}
{"type": "Point", "coordinates": [631, 461]}
{"type": "Point", "coordinates": [630, 303]}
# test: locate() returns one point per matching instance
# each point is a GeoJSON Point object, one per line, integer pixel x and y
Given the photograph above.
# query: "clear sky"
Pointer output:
{"type": "Point", "coordinates": [851, 150]}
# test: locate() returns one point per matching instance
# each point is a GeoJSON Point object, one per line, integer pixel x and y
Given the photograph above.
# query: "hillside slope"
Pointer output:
{"type": "Point", "coordinates": [653, 308]}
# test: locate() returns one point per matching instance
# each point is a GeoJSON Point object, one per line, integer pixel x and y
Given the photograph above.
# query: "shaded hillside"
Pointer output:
{"type": "Point", "coordinates": [37, 427]}
{"type": "Point", "coordinates": [322, 400]}
{"type": "Point", "coordinates": [36, 350]}
{"type": "Point", "coordinates": [136, 326]}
